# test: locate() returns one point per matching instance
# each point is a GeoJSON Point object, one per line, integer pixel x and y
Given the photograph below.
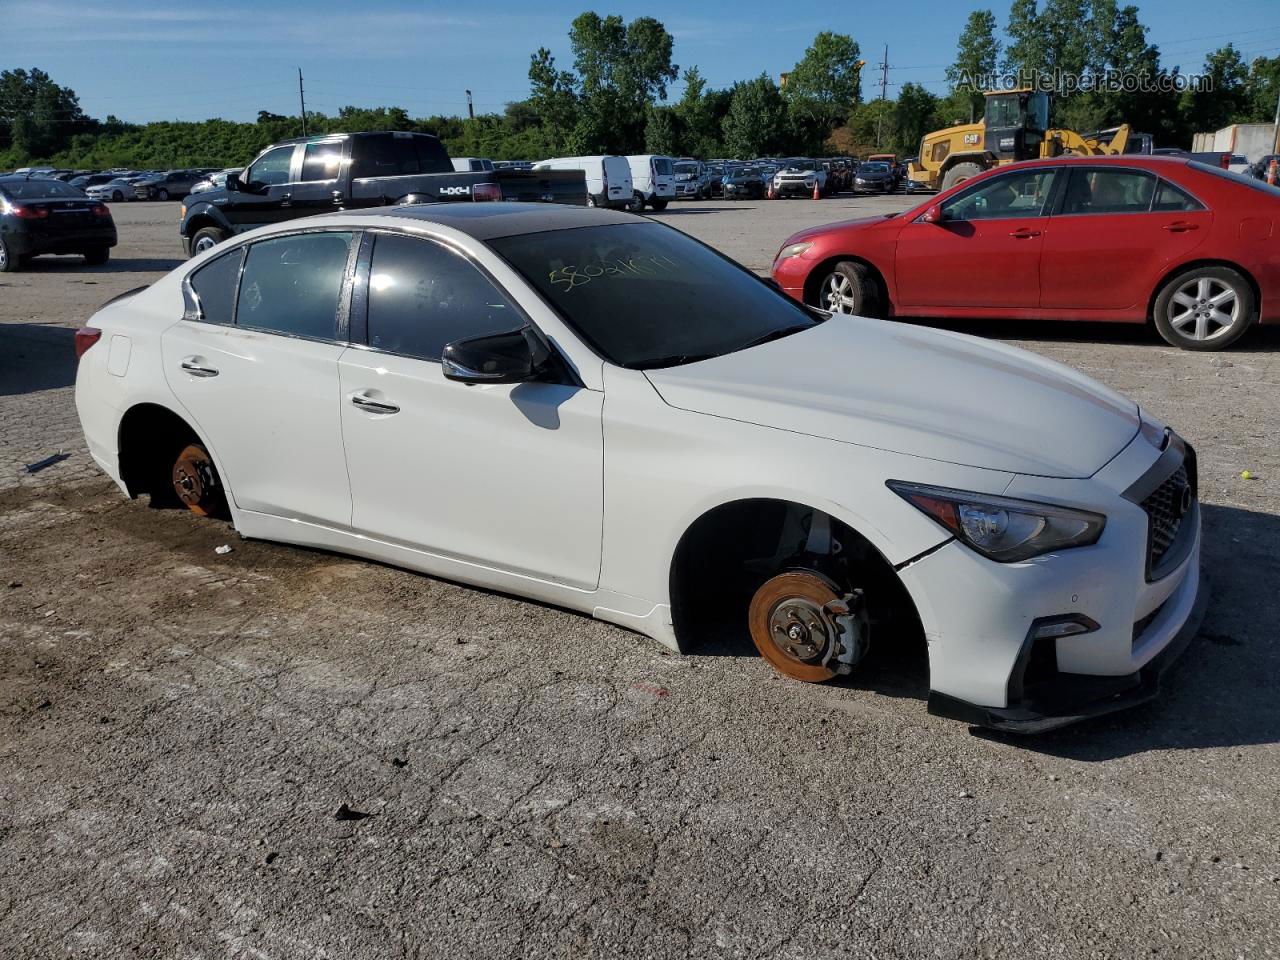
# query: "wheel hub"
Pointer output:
{"type": "Point", "coordinates": [800, 630]}
{"type": "Point", "coordinates": [195, 482]}
{"type": "Point", "coordinates": [806, 628]}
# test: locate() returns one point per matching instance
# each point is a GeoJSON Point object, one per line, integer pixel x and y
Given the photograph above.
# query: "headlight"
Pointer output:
{"type": "Point", "coordinates": [859, 180]}
{"type": "Point", "coordinates": [792, 250]}
{"type": "Point", "coordinates": [1001, 528]}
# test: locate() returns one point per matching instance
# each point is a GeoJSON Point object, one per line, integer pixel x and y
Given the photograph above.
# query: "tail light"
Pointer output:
{"type": "Point", "coordinates": [86, 337]}
{"type": "Point", "coordinates": [100, 210]}
{"type": "Point", "coordinates": [29, 213]}
{"type": "Point", "coordinates": [486, 191]}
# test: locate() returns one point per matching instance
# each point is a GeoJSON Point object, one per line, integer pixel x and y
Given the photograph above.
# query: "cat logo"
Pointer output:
{"type": "Point", "coordinates": [972, 138]}
{"type": "Point", "coordinates": [455, 191]}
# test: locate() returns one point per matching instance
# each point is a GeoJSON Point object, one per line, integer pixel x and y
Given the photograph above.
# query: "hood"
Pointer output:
{"type": "Point", "coordinates": [823, 230]}
{"type": "Point", "coordinates": [912, 390]}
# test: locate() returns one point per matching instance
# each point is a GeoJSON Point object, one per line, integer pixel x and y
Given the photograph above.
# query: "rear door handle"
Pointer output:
{"type": "Point", "coordinates": [196, 367]}
{"type": "Point", "coordinates": [366, 402]}
{"type": "Point", "coordinates": [1024, 233]}
{"type": "Point", "coordinates": [1181, 226]}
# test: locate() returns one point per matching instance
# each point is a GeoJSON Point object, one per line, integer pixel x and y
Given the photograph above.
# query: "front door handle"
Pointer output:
{"type": "Point", "coordinates": [338, 196]}
{"type": "Point", "coordinates": [1181, 226]}
{"type": "Point", "coordinates": [366, 402]}
{"type": "Point", "coordinates": [1024, 233]}
{"type": "Point", "coordinates": [196, 367]}
{"type": "Point", "coordinates": [286, 199]}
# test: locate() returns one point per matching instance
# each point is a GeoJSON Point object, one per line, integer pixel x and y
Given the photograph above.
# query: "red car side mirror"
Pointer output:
{"type": "Point", "coordinates": [932, 215]}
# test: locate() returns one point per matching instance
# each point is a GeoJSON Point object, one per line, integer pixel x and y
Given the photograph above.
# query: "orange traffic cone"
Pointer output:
{"type": "Point", "coordinates": [769, 193]}
{"type": "Point", "coordinates": [815, 191]}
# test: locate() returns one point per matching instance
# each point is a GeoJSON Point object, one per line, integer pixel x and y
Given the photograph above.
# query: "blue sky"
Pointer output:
{"type": "Point", "coordinates": [144, 60]}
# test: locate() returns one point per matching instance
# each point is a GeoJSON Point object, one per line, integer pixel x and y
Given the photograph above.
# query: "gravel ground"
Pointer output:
{"type": "Point", "coordinates": [278, 753]}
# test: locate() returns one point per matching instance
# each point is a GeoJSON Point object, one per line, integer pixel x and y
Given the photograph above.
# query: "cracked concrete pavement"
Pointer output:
{"type": "Point", "coordinates": [178, 729]}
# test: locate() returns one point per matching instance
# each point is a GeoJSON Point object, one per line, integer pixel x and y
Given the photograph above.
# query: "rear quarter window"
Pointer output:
{"type": "Point", "coordinates": [214, 285]}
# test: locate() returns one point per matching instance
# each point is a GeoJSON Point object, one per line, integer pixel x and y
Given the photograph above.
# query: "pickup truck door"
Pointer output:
{"type": "Point", "coordinates": [269, 194]}
{"type": "Point", "coordinates": [320, 183]}
{"type": "Point", "coordinates": [498, 476]}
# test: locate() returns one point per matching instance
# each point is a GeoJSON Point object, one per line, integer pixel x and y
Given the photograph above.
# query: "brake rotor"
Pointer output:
{"type": "Point", "coordinates": [803, 626]}
{"type": "Point", "coordinates": [195, 481]}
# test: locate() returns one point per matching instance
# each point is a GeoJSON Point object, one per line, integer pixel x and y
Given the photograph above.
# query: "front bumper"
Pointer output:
{"type": "Point", "coordinates": [987, 665]}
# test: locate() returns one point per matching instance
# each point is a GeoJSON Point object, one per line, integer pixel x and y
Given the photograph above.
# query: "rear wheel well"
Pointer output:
{"type": "Point", "coordinates": [1195, 265]}
{"type": "Point", "coordinates": [728, 552]}
{"type": "Point", "coordinates": [819, 273]}
{"type": "Point", "coordinates": [151, 436]}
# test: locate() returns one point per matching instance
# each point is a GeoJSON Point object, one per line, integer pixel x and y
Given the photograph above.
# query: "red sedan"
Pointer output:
{"type": "Point", "coordinates": [1188, 246]}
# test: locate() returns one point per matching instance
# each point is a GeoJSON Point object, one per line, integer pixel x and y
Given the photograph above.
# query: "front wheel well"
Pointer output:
{"type": "Point", "coordinates": [198, 223]}
{"type": "Point", "coordinates": [150, 437]}
{"type": "Point", "coordinates": [814, 280]}
{"type": "Point", "coordinates": [1195, 265]}
{"type": "Point", "coordinates": [732, 549]}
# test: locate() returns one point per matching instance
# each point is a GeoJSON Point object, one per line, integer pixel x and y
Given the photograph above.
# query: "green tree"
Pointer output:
{"type": "Point", "coordinates": [1226, 97]}
{"type": "Point", "coordinates": [827, 82]}
{"type": "Point", "coordinates": [1027, 49]}
{"type": "Point", "coordinates": [977, 54]}
{"type": "Point", "coordinates": [914, 114]}
{"type": "Point", "coordinates": [37, 116]}
{"type": "Point", "coordinates": [1264, 89]}
{"type": "Point", "coordinates": [622, 69]}
{"type": "Point", "coordinates": [662, 132]}
{"type": "Point", "coordinates": [553, 95]}
{"type": "Point", "coordinates": [756, 124]}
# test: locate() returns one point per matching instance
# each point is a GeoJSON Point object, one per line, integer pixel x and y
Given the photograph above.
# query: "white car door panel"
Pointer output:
{"type": "Point", "coordinates": [263, 390]}
{"type": "Point", "coordinates": [502, 475]}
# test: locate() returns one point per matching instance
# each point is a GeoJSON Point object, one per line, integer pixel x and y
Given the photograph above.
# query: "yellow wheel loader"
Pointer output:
{"type": "Point", "coordinates": [1014, 127]}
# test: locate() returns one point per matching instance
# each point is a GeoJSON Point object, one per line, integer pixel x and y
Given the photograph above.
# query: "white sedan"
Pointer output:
{"type": "Point", "coordinates": [597, 411]}
{"type": "Point", "coordinates": [113, 190]}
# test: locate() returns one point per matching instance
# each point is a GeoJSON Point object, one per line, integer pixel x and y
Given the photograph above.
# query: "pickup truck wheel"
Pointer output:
{"type": "Point", "coordinates": [850, 289]}
{"type": "Point", "coordinates": [207, 238]}
{"type": "Point", "coordinates": [162, 194]}
{"type": "Point", "coordinates": [1208, 308]}
{"type": "Point", "coordinates": [196, 482]}
{"type": "Point", "coordinates": [636, 203]}
{"type": "Point", "coordinates": [806, 627]}
{"type": "Point", "coordinates": [960, 173]}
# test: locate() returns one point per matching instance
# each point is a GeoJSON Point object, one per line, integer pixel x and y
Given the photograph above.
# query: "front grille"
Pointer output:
{"type": "Point", "coordinates": [1164, 508]}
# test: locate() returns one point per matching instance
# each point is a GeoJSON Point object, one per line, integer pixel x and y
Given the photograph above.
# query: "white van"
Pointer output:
{"type": "Point", "coordinates": [608, 180]}
{"type": "Point", "coordinates": [472, 164]}
{"type": "Point", "coordinates": [653, 178]}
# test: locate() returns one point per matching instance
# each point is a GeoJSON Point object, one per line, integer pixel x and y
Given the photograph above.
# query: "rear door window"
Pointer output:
{"type": "Point", "coordinates": [1173, 198]}
{"type": "Point", "coordinates": [321, 161]}
{"type": "Point", "coordinates": [1099, 191]}
{"type": "Point", "coordinates": [422, 295]}
{"type": "Point", "coordinates": [432, 156]}
{"type": "Point", "coordinates": [291, 285]}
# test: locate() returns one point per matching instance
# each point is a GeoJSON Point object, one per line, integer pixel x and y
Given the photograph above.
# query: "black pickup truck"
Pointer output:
{"type": "Point", "coordinates": [348, 171]}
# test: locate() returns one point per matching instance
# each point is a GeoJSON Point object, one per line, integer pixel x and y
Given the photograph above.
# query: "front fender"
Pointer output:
{"type": "Point", "coordinates": [203, 214]}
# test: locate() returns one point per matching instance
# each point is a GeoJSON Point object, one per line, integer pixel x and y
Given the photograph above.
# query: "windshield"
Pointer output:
{"type": "Point", "coordinates": [686, 168]}
{"type": "Point", "coordinates": [645, 295]}
{"type": "Point", "coordinates": [39, 189]}
{"type": "Point", "coordinates": [873, 168]}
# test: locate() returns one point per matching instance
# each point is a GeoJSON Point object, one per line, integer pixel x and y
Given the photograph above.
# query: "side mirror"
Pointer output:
{"type": "Point", "coordinates": [513, 357]}
{"type": "Point", "coordinates": [931, 215]}
{"type": "Point", "coordinates": [233, 182]}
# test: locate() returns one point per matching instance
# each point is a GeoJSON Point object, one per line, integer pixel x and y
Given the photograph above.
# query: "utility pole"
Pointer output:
{"type": "Point", "coordinates": [884, 87]}
{"type": "Point", "coordinates": [302, 101]}
{"type": "Point", "coordinates": [1275, 145]}
{"type": "Point", "coordinates": [471, 110]}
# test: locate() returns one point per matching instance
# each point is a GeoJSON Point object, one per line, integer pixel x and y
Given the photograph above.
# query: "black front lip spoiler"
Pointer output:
{"type": "Point", "coordinates": [1110, 693]}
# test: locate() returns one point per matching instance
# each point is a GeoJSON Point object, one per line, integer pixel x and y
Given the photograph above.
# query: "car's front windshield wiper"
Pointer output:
{"type": "Point", "coordinates": [675, 360]}
{"type": "Point", "coordinates": [775, 335]}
